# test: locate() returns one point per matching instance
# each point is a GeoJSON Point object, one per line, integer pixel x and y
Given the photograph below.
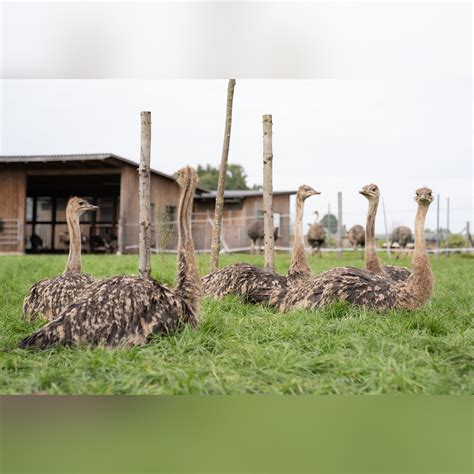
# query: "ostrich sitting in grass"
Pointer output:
{"type": "Point", "coordinates": [255, 284]}
{"type": "Point", "coordinates": [51, 296]}
{"type": "Point", "coordinates": [364, 288]}
{"type": "Point", "coordinates": [372, 261]}
{"type": "Point", "coordinates": [127, 310]}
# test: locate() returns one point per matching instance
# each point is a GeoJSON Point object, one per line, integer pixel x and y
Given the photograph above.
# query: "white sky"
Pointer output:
{"type": "Point", "coordinates": [335, 135]}
{"type": "Point", "coordinates": [391, 99]}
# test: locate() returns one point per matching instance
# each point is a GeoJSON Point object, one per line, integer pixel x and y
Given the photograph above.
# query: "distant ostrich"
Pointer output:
{"type": "Point", "coordinates": [49, 297]}
{"type": "Point", "coordinates": [256, 233]}
{"type": "Point", "coordinates": [364, 288]}
{"type": "Point", "coordinates": [356, 236]}
{"type": "Point", "coordinates": [402, 236]}
{"type": "Point", "coordinates": [372, 261]}
{"type": "Point", "coordinates": [255, 284]}
{"type": "Point", "coordinates": [316, 236]}
{"type": "Point", "coordinates": [125, 311]}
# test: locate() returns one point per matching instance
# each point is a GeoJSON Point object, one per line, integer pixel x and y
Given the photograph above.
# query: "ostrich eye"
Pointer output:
{"type": "Point", "coordinates": [81, 203]}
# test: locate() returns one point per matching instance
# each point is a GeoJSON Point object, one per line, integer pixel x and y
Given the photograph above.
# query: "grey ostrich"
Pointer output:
{"type": "Point", "coordinates": [256, 234]}
{"type": "Point", "coordinates": [51, 296]}
{"type": "Point", "coordinates": [255, 284]}
{"type": "Point", "coordinates": [356, 236]}
{"type": "Point", "coordinates": [125, 311]}
{"type": "Point", "coordinates": [316, 236]}
{"type": "Point", "coordinates": [372, 261]}
{"type": "Point", "coordinates": [364, 288]}
{"type": "Point", "coordinates": [402, 236]}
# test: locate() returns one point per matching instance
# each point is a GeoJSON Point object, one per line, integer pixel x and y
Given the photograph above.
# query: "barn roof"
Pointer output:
{"type": "Point", "coordinates": [239, 194]}
{"type": "Point", "coordinates": [79, 160]}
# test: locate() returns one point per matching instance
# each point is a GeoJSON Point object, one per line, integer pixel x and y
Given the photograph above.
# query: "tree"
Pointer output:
{"type": "Point", "coordinates": [329, 222]}
{"type": "Point", "coordinates": [236, 177]}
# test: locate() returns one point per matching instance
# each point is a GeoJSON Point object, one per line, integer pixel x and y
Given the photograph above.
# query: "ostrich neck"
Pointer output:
{"type": "Point", "coordinates": [372, 261]}
{"type": "Point", "coordinates": [299, 264]}
{"type": "Point", "coordinates": [188, 283]}
{"type": "Point", "coordinates": [421, 279]}
{"type": "Point", "coordinates": [74, 260]}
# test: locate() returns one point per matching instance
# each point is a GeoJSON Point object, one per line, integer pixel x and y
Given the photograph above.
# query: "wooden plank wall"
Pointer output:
{"type": "Point", "coordinates": [13, 203]}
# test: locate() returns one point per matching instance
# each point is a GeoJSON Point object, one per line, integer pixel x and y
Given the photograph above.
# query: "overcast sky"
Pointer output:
{"type": "Point", "coordinates": [390, 101]}
{"type": "Point", "coordinates": [335, 135]}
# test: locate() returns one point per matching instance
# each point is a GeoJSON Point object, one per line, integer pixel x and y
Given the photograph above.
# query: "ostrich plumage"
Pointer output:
{"type": "Point", "coordinates": [51, 296]}
{"type": "Point", "coordinates": [256, 233]}
{"type": "Point", "coordinates": [316, 235]}
{"type": "Point", "coordinates": [372, 261]}
{"type": "Point", "coordinates": [364, 288]}
{"type": "Point", "coordinates": [255, 284]}
{"type": "Point", "coordinates": [125, 311]}
{"type": "Point", "coordinates": [356, 236]}
{"type": "Point", "coordinates": [401, 235]}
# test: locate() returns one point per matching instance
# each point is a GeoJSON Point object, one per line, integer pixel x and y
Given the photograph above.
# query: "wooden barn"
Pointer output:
{"type": "Point", "coordinates": [34, 191]}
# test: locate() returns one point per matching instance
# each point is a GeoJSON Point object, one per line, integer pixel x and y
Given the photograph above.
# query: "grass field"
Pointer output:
{"type": "Point", "coordinates": [240, 348]}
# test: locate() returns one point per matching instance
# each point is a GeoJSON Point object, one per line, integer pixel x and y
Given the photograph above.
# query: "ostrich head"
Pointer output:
{"type": "Point", "coordinates": [424, 196]}
{"type": "Point", "coordinates": [77, 206]}
{"type": "Point", "coordinates": [370, 191]}
{"type": "Point", "coordinates": [186, 175]}
{"type": "Point", "coordinates": [305, 192]}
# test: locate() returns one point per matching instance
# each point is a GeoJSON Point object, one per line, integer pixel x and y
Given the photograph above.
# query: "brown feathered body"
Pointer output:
{"type": "Point", "coordinates": [51, 296]}
{"type": "Point", "coordinates": [122, 311]}
{"type": "Point", "coordinates": [363, 287]}
{"type": "Point", "coordinates": [255, 285]}
{"type": "Point", "coordinates": [256, 233]}
{"type": "Point", "coordinates": [252, 283]}
{"type": "Point", "coordinates": [356, 236]}
{"type": "Point", "coordinates": [127, 310]}
{"type": "Point", "coordinates": [316, 236]}
{"type": "Point", "coordinates": [402, 235]}
{"type": "Point", "coordinates": [353, 285]}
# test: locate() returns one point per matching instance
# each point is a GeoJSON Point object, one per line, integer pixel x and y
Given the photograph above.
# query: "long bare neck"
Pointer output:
{"type": "Point", "coordinates": [74, 260]}
{"type": "Point", "coordinates": [372, 261]}
{"type": "Point", "coordinates": [299, 265]}
{"type": "Point", "coordinates": [421, 280]}
{"type": "Point", "coordinates": [188, 282]}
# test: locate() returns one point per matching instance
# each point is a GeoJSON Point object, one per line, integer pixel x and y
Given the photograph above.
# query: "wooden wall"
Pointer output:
{"type": "Point", "coordinates": [12, 203]}
{"type": "Point", "coordinates": [164, 192]}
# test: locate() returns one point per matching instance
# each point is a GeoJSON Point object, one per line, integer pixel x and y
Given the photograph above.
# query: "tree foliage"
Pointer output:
{"type": "Point", "coordinates": [329, 222]}
{"type": "Point", "coordinates": [236, 177]}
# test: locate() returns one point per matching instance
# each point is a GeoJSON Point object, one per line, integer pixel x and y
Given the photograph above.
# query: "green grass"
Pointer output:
{"type": "Point", "coordinates": [240, 348]}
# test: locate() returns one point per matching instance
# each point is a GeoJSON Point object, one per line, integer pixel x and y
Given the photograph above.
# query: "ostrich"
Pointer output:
{"type": "Point", "coordinates": [256, 284]}
{"type": "Point", "coordinates": [372, 261]}
{"type": "Point", "coordinates": [356, 236]}
{"type": "Point", "coordinates": [256, 233]}
{"type": "Point", "coordinates": [402, 236]}
{"type": "Point", "coordinates": [316, 235]}
{"type": "Point", "coordinates": [125, 311]}
{"type": "Point", "coordinates": [364, 288]}
{"type": "Point", "coordinates": [51, 296]}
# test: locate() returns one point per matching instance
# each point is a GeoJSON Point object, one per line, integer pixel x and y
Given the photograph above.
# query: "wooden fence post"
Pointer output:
{"type": "Point", "coordinates": [219, 210]}
{"type": "Point", "coordinates": [144, 238]}
{"type": "Point", "coordinates": [269, 241]}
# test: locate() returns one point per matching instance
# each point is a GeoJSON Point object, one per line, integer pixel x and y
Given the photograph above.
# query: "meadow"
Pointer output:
{"type": "Point", "coordinates": [244, 349]}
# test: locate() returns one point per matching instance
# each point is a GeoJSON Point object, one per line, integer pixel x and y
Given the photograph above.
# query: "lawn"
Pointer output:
{"type": "Point", "coordinates": [241, 348]}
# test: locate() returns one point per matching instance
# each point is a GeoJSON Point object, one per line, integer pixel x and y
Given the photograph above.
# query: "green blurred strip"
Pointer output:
{"type": "Point", "coordinates": [375, 434]}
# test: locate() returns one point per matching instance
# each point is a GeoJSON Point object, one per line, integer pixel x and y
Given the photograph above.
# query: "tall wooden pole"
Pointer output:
{"type": "Point", "coordinates": [269, 241]}
{"type": "Point", "coordinates": [339, 224]}
{"type": "Point", "coordinates": [144, 238]}
{"type": "Point", "coordinates": [219, 210]}
{"type": "Point", "coordinates": [468, 234]}
{"type": "Point", "coordinates": [387, 243]}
